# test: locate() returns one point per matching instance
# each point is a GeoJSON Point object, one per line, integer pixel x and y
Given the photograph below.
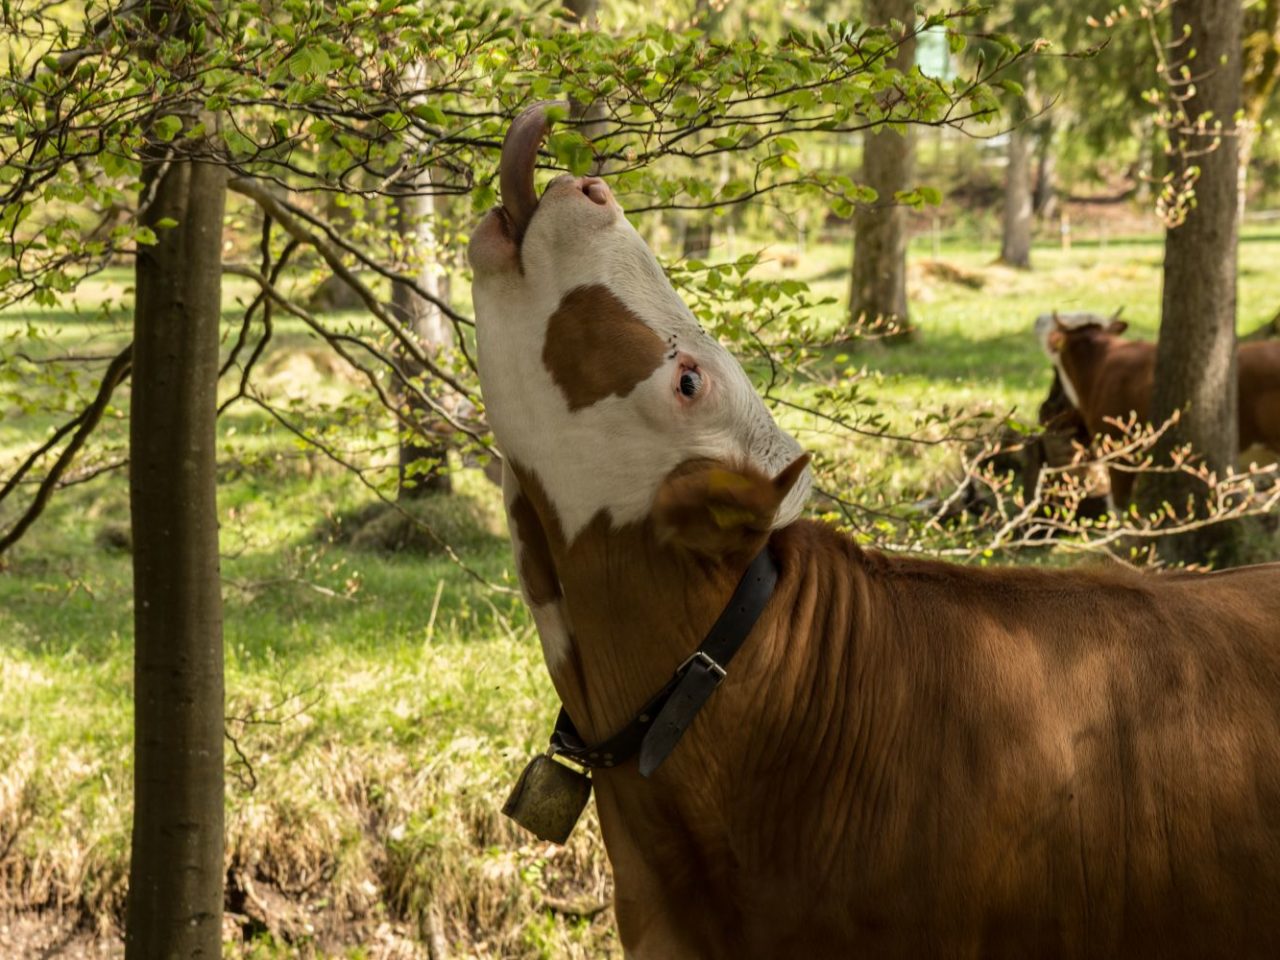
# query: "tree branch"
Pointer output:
{"type": "Point", "coordinates": [88, 420]}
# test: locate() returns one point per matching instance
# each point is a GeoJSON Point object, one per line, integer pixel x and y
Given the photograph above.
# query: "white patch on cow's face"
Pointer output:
{"type": "Point", "coordinates": [612, 453]}
{"type": "Point", "coordinates": [1045, 324]}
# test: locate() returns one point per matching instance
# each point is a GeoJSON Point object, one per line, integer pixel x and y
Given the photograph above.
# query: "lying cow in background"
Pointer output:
{"type": "Point", "coordinates": [906, 758]}
{"type": "Point", "coordinates": [1109, 378]}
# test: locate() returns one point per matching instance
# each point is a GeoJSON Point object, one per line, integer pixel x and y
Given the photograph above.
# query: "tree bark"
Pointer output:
{"type": "Point", "coordinates": [334, 293]}
{"type": "Point", "coordinates": [1015, 243]}
{"type": "Point", "coordinates": [1196, 355]}
{"type": "Point", "coordinates": [590, 114]}
{"type": "Point", "coordinates": [586, 11]}
{"type": "Point", "coordinates": [1044, 199]}
{"type": "Point", "coordinates": [878, 286]}
{"type": "Point", "coordinates": [698, 234]}
{"type": "Point", "coordinates": [423, 458]}
{"type": "Point", "coordinates": [176, 870]}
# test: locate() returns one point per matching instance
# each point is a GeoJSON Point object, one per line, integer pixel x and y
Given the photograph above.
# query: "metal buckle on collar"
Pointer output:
{"type": "Point", "coordinates": [568, 758]}
{"type": "Point", "coordinates": [707, 661]}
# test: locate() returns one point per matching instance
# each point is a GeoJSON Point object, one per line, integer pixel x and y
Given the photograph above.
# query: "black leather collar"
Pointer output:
{"type": "Point", "coordinates": [656, 729]}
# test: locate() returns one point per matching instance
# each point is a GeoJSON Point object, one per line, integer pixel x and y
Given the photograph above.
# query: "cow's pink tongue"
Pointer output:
{"type": "Point", "coordinates": [515, 171]}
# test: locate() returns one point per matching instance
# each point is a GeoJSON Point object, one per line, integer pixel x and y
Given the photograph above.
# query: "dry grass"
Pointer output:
{"type": "Point", "coordinates": [362, 810]}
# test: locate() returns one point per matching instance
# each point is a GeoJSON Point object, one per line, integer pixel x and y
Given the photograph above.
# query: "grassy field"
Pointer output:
{"type": "Point", "coordinates": [381, 703]}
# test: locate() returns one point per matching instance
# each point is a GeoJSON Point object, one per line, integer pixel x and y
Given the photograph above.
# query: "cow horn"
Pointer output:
{"type": "Point", "coordinates": [515, 171]}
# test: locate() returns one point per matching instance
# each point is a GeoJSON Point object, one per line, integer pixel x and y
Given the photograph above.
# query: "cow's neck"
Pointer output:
{"type": "Point", "coordinates": [637, 609]}
{"type": "Point", "coordinates": [1078, 365]}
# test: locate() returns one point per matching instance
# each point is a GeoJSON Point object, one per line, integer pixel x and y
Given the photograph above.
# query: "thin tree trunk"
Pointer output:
{"type": "Point", "coordinates": [586, 13]}
{"type": "Point", "coordinates": [699, 228]}
{"type": "Point", "coordinates": [334, 293]}
{"type": "Point", "coordinates": [176, 870]}
{"type": "Point", "coordinates": [1044, 199]}
{"type": "Point", "coordinates": [697, 237]}
{"type": "Point", "coordinates": [1015, 243]}
{"type": "Point", "coordinates": [1245, 139]}
{"type": "Point", "coordinates": [1196, 356]}
{"type": "Point", "coordinates": [423, 459]}
{"type": "Point", "coordinates": [878, 286]}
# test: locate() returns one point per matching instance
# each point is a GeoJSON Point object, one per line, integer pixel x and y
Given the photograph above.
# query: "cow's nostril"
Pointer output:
{"type": "Point", "coordinates": [597, 191]}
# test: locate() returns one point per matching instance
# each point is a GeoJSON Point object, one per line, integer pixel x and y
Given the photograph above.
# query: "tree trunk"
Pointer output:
{"type": "Point", "coordinates": [878, 286]}
{"type": "Point", "coordinates": [1196, 355]}
{"type": "Point", "coordinates": [1044, 199]}
{"type": "Point", "coordinates": [1015, 244]}
{"type": "Point", "coordinates": [699, 227]}
{"type": "Point", "coordinates": [334, 293]}
{"type": "Point", "coordinates": [585, 11]}
{"type": "Point", "coordinates": [698, 235]}
{"type": "Point", "coordinates": [591, 114]}
{"type": "Point", "coordinates": [1245, 139]}
{"type": "Point", "coordinates": [176, 870]}
{"type": "Point", "coordinates": [423, 458]}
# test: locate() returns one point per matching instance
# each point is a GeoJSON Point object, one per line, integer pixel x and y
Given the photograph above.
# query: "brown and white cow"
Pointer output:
{"type": "Point", "coordinates": [908, 758]}
{"type": "Point", "coordinates": [1109, 378]}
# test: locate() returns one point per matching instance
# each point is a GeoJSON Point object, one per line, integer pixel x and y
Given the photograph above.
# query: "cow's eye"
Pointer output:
{"type": "Point", "coordinates": [690, 383]}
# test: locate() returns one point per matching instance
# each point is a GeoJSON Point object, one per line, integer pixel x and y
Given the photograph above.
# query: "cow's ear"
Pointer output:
{"type": "Point", "coordinates": [1117, 327]}
{"type": "Point", "coordinates": [1057, 337]}
{"type": "Point", "coordinates": [720, 511]}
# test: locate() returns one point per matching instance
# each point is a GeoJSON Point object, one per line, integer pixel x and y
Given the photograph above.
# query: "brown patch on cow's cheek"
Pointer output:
{"type": "Point", "coordinates": [596, 347]}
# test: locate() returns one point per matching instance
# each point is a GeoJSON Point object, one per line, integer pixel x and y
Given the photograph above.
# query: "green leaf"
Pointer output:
{"type": "Point", "coordinates": [166, 128]}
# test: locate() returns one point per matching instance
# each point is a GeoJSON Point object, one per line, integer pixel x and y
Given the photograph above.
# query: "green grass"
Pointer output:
{"type": "Point", "coordinates": [379, 732]}
{"type": "Point", "coordinates": [382, 704]}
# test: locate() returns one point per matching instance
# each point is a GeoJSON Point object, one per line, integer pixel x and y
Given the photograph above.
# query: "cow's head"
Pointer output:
{"type": "Point", "coordinates": [599, 381]}
{"type": "Point", "coordinates": [1069, 339]}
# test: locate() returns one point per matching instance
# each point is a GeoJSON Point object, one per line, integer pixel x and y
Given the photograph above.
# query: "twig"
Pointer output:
{"type": "Point", "coordinates": [88, 420]}
{"type": "Point", "coordinates": [360, 475]}
{"type": "Point", "coordinates": [435, 609]}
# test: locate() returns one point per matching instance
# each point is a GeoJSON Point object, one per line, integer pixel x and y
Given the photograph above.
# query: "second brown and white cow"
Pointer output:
{"type": "Point", "coordinates": [907, 758]}
{"type": "Point", "coordinates": [1110, 378]}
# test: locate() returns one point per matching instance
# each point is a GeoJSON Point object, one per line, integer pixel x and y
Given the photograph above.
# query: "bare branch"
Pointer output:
{"type": "Point", "coordinates": [88, 420]}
